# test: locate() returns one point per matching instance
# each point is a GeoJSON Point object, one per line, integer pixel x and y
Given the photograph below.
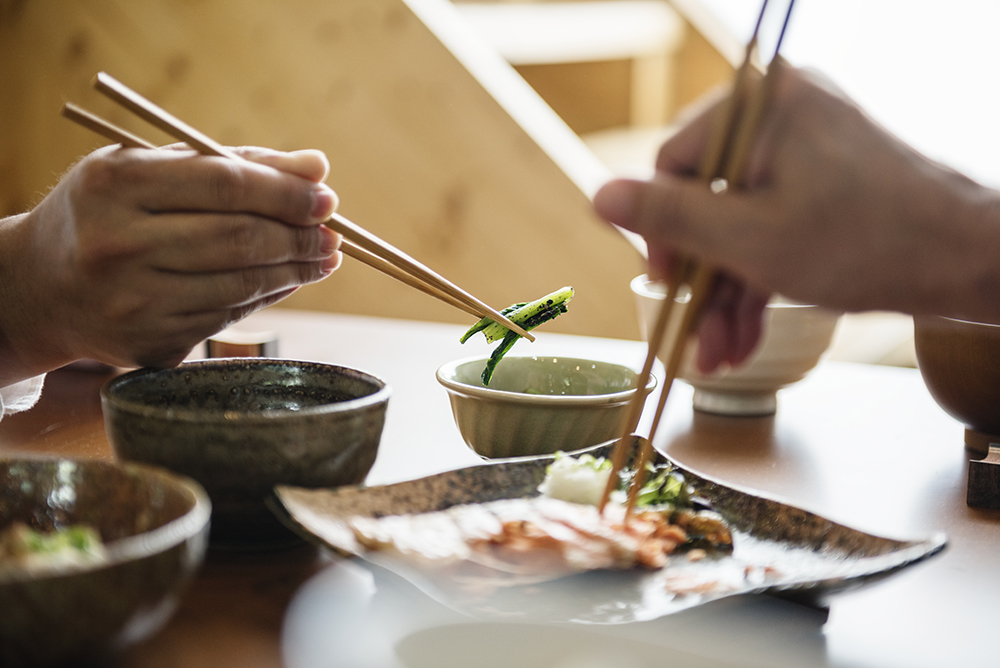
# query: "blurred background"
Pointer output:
{"type": "Point", "coordinates": [472, 134]}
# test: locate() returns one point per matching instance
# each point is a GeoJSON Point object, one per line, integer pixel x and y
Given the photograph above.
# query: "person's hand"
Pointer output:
{"type": "Point", "coordinates": [138, 255]}
{"type": "Point", "coordinates": [730, 325]}
{"type": "Point", "coordinates": [836, 212]}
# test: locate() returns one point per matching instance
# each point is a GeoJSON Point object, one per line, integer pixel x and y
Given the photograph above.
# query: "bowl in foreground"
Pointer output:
{"type": "Point", "coordinates": [242, 426]}
{"type": "Point", "coordinates": [538, 405]}
{"type": "Point", "coordinates": [959, 362]}
{"type": "Point", "coordinates": [154, 529]}
{"type": "Point", "coordinates": [794, 338]}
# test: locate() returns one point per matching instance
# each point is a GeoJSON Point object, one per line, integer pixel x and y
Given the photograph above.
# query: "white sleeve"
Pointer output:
{"type": "Point", "coordinates": [20, 396]}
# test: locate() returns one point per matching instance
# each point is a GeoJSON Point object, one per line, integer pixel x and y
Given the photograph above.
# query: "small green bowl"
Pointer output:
{"type": "Point", "coordinates": [538, 405]}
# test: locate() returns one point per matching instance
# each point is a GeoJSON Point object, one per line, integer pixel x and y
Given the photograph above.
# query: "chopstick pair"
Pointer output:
{"type": "Point", "coordinates": [726, 157]}
{"type": "Point", "coordinates": [357, 242]}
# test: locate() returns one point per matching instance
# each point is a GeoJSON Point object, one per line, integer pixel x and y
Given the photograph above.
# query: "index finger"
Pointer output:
{"type": "Point", "coordinates": [308, 163]}
{"type": "Point", "coordinates": [165, 181]}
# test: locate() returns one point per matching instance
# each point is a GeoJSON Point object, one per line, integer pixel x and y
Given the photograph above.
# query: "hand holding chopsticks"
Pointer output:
{"type": "Point", "coordinates": [359, 243]}
{"type": "Point", "coordinates": [726, 157]}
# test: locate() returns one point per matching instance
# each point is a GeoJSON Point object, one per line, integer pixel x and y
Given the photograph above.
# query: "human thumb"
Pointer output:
{"type": "Point", "coordinates": [668, 211]}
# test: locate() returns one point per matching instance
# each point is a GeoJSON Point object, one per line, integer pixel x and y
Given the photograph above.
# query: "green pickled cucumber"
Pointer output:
{"type": "Point", "coordinates": [526, 314]}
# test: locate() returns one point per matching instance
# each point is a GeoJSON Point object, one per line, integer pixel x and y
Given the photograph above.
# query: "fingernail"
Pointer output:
{"type": "Point", "coordinates": [615, 202]}
{"type": "Point", "coordinates": [331, 263]}
{"type": "Point", "coordinates": [330, 241]}
{"type": "Point", "coordinates": [324, 202]}
{"type": "Point", "coordinates": [313, 154]}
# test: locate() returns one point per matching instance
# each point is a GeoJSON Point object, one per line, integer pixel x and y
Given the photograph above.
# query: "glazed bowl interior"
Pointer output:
{"type": "Point", "coordinates": [544, 376]}
{"type": "Point", "coordinates": [255, 389]}
{"type": "Point", "coordinates": [538, 405]}
{"type": "Point", "coordinates": [153, 526]}
{"type": "Point", "coordinates": [241, 426]}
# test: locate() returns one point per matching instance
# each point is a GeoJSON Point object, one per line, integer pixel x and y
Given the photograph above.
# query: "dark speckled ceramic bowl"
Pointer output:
{"type": "Point", "coordinates": [242, 426]}
{"type": "Point", "coordinates": [154, 527]}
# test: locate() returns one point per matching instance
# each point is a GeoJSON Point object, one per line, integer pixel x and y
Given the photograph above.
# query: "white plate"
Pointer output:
{"type": "Point", "coordinates": [357, 615]}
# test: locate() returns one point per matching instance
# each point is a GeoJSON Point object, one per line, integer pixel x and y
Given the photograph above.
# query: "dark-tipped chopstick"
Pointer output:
{"type": "Point", "coordinates": [727, 154]}
{"type": "Point", "coordinates": [117, 134]}
{"type": "Point", "coordinates": [429, 280]}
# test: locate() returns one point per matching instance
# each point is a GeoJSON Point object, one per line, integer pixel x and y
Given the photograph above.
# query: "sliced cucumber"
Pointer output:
{"type": "Point", "coordinates": [486, 322]}
{"type": "Point", "coordinates": [528, 315]}
{"type": "Point", "coordinates": [495, 331]}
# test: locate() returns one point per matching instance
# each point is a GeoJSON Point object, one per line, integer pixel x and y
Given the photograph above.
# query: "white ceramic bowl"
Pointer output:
{"type": "Point", "coordinates": [538, 405]}
{"type": "Point", "coordinates": [794, 339]}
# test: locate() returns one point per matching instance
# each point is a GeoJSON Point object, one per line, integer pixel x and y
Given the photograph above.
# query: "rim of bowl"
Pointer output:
{"type": "Point", "coordinates": [962, 321]}
{"type": "Point", "coordinates": [140, 545]}
{"type": "Point", "coordinates": [108, 395]}
{"type": "Point", "coordinates": [446, 376]}
{"type": "Point", "coordinates": [640, 286]}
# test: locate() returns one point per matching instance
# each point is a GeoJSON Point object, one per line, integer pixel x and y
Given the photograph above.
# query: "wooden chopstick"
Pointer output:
{"type": "Point", "coordinates": [159, 117]}
{"type": "Point", "coordinates": [733, 169]}
{"type": "Point", "coordinates": [352, 232]}
{"type": "Point", "coordinates": [716, 149]}
{"type": "Point", "coordinates": [117, 134]}
{"type": "Point", "coordinates": [376, 246]}
{"type": "Point", "coordinates": [712, 161]}
{"type": "Point", "coordinates": [104, 128]}
{"type": "Point", "coordinates": [375, 262]}
{"type": "Point", "coordinates": [727, 154]}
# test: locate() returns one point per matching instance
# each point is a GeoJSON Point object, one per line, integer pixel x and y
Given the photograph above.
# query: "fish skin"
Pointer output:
{"type": "Point", "coordinates": [528, 536]}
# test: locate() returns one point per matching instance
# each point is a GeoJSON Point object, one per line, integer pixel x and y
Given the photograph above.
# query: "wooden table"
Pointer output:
{"type": "Point", "coordinates": [860, 444]}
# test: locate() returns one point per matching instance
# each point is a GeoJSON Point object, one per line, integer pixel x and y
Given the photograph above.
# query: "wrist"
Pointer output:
{"type": "Point", "coordinates": [25, 347]}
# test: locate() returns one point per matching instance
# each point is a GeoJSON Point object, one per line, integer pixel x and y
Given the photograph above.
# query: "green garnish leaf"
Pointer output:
{"type": "Point", "coordinates": [664, 486]}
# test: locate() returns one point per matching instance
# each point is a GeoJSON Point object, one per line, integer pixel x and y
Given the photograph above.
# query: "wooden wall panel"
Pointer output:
{"type": "Point", "coordinates": [489, 189]}
{"type": "Point", "coordinates": [700, 68]}
{"type": "Point", "coordinates": [589, 96]}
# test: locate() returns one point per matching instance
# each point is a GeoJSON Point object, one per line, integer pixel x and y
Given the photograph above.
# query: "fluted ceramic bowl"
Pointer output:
{"type": "Point", "coordinates": [154, 529]}
{"type": "Point", "coordinates": [538, 405]}
{"type": "Point", "coordinates": [241, 426]}
{"type": "Point", "coordinates": [794, 339]}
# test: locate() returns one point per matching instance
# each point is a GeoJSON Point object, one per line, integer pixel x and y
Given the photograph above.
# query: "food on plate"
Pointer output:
{"type": "Point", "coordinates": [576, 479]}
{"type": "Point", "coordinates": [526, 314]}
{"type": "Point", "coordinates": [559, 532]}
{"type": "Point", "coordinates": [23, 549]}
{"type": "Point", "coordinates": [437, 533]}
